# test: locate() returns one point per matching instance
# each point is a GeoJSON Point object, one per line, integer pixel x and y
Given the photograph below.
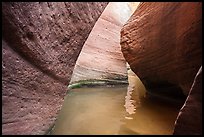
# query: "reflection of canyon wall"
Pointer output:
{"type": "Point", "coordinates": [41, 43]}
{"type": "Point", "coordinates": [162, 44]}
{"type": "Point", "coordinates": [101, 56]}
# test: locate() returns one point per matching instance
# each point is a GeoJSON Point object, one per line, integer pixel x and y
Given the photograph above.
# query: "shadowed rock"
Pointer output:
{"type": "Point", "coordinates": [189, 120]}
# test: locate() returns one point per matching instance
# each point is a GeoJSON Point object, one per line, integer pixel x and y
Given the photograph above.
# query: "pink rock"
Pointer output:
{"type": "Point", "coordinates": [41, 43]}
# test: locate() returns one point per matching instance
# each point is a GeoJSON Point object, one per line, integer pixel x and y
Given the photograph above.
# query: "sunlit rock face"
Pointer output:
{"type": "Point", "coordinates": [41, 43]}
{"type": "Point", "coordinates": [189, 120]}
{"type": "Point", "coordinates": [101, 56]}
{"type": "Point", "coordinates": [162, 43]}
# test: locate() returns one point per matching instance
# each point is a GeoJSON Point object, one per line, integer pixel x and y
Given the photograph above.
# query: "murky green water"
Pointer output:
{"type": "Point", "coordinates": [114, 110]}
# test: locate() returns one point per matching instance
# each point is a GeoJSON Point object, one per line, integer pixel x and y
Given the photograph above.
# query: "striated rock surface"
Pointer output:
{"type": "Point", "coordinates": [189, 120]}
{"type": "Point", "coordinates": [101, 56]}
{"type": "Point", "coordinates": [41, 43]}
{"type": "Point", "coordinates": [162, 43]}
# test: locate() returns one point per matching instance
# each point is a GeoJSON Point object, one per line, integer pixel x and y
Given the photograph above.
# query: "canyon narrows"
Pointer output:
{"type": "Point", "coordinates": [90, 57]}
{"type": "Point", "coordinates": [101, 57]}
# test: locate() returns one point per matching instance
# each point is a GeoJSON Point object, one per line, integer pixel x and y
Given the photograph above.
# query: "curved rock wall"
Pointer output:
{"type": "Point", "coordinates": [101, 56]}
{"type": "Point", "coordinates": [189, 120]}
{"type": "Point", "coordinates": [41, 43]}
{"type": "Point", "coordinates": [162, 42]}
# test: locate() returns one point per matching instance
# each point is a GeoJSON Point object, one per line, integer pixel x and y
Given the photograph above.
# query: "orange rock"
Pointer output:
{"type": "Point", "coordinates": [162, 42]}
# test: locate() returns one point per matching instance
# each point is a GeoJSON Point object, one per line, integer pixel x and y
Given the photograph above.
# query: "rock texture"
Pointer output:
{"type": "Point", "coordinates": [101, 56]}
{"type": "Point", "coordinates": [162, 43]}
{"type": "Point", "coordinates": [41, 43]}
{"type": "Point", "coordinates": [189, 120]}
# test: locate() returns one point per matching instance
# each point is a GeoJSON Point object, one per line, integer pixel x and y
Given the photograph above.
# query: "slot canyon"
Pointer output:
{"type": "Point", "coordinates": [101, 68]}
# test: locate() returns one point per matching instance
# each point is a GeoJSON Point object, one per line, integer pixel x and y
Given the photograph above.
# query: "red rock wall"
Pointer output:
{"type": "Point", "coordinates": [189, 120]}
{"type": "Point", "coordinates": [41, 43]}
{"type": "Point", "coordinates": [162, 43]}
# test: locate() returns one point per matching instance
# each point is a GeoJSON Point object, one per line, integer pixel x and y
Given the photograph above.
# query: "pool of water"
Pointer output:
{"type": "Point", "coordinates": [116, 110]}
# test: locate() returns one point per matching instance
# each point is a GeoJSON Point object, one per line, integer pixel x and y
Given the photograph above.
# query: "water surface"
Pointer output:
{"type": "Point", "coordinates": [115, 110]}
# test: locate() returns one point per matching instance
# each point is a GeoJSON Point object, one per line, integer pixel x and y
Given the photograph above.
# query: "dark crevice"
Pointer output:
{"type": "Point", "coordinates": [165, 89]}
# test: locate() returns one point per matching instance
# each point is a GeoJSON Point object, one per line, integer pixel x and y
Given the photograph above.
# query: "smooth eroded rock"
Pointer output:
{"type": "Point", "coordinates": [189, 120]}
{"type": "Point", "coordinates": [101, 56]}
{"type": "Point", "coordinates": [162, 43]}
{"type": "Point", "coordinates": [41, 43]}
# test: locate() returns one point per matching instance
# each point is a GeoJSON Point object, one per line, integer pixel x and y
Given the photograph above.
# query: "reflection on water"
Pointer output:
{"type": "Point", "coordinates": [135, 92]}
{"type": "Point", "coordinates": [113, 110]}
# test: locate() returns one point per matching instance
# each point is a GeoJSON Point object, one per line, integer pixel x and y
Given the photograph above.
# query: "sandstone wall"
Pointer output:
{"type": "Point", "coordinates": [162, 43]}
{"type": "Point", "coordinates": [189, 120]}
{"type": "Point", "coordinates": [101, 56]}
{"type": "Point", "coordinates": [41, 43]}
